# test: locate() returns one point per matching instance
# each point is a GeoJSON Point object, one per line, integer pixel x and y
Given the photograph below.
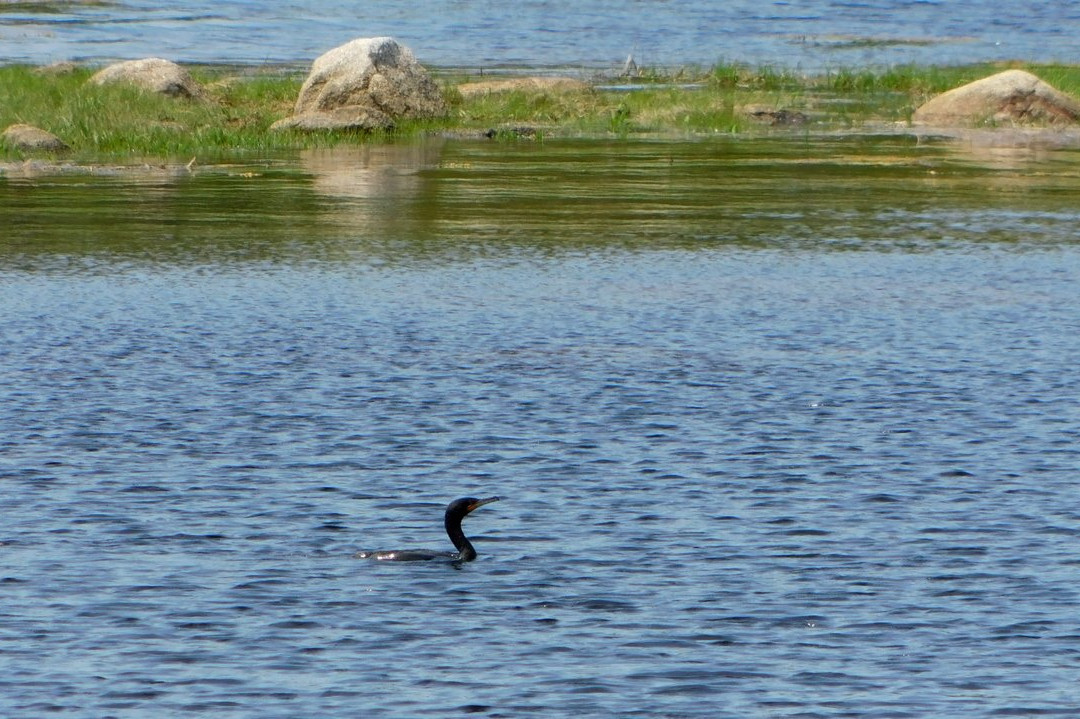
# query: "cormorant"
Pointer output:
{"type": "Point", "coordinates": [455, 512]}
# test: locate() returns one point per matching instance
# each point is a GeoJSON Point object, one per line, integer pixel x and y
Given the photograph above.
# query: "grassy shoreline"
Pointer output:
{"type": "Point", "coordinates": [126, 125]}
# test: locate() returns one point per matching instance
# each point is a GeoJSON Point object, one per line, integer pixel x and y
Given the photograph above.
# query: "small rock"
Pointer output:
{"type": "Point", "coordinates": [356, 119]}
{"type": "Point", "coordinates": [28, 137]}
{"type": "Point", "coordinates": [153, 74]}
{"type": "Point", "coordinates": [1013, 96]}
{"type": "Point", "coordinates": [64, 67]}
{"type": "Point", "coordinates": [526, 84]}
{"type": "Point", "coordinates": [365, 84]}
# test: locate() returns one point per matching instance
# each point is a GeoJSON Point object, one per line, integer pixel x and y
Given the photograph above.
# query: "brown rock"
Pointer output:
{"type": "Point", "coordinates": [526, 84]}
{"type": "Point", "coordinates": [365, 84]}
{"type": "Point", "coordinates": [28, 137]}
{"type": "Point", "coordinates": [64, 67]}
{"type": "Point", "coordinates": [354, 118]}
{"type": "Point", "coordinates": [153, 74]}
{"type": "Point", "coordinates": [1013, 96]}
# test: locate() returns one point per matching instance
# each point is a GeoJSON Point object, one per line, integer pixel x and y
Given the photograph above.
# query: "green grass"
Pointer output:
{"type": "Point", "coordinates": [126, 125]}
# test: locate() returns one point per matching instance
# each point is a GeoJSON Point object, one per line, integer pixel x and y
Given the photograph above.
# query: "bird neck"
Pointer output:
{"type": "Point", "coordinates": [466, 553]}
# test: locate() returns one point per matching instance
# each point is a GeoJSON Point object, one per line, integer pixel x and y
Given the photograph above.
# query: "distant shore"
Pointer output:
{"type": "Point", "coordinates": [124, 126]}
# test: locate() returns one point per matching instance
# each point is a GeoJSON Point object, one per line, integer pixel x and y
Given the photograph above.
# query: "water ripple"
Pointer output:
{"type": "Point", "coordinates": [745, 481]}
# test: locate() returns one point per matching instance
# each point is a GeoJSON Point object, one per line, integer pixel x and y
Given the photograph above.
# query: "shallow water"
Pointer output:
{"type": "Point", "coordinates": [782, 428]}
{"type": "Point", "coordinates": [592, 34]}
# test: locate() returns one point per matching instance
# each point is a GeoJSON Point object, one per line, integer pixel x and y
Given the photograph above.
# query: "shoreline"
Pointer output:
{"type": "Point", "coordinates": [122, 127]}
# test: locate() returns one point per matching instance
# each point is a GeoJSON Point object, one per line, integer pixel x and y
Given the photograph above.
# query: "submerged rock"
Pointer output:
{"type": "Point", "coordinates": [1013, 96]}
{"type": "Point", "coordinates": [365, 84]}
{"type": "Point", "coordinates": [517, 132]}
{"type": "Point", "coordinates": [153, 74]}
{"type": "Point", "coordinates": [28, 137]}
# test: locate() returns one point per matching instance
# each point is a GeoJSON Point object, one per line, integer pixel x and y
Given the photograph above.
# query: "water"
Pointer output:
{"type": "Point", "coordinates": [594, 34]}
{"type": "Point", "coordinates": [782, 428]}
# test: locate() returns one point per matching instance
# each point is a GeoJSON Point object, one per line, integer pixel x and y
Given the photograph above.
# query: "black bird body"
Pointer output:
{"type": "Point", "coordinates": [455, 512]}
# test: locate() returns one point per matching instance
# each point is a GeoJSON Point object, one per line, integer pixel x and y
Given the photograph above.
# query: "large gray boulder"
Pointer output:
{"type": "Point", "coordinates": [365, 84]}
{"type": "Point", "coordinates": [1010, 97]}
{"type": "Point", "coordinates": [153, 74]}
{"type": "Point", "coordinates": [28, 137]}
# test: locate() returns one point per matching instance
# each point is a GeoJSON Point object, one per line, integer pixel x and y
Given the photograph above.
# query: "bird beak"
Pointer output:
{"type": "Point", "coordinates": [482, 502]}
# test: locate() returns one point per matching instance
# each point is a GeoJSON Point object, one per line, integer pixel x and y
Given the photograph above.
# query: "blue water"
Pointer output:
{"type": "Point", "coordinates": [781, 429]}
{"type": "Point", "coordinates": [596, 34]}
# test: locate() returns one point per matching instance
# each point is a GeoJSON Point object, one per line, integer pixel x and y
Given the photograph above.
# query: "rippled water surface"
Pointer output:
{"type": "Point", "coordinates": [589, 33]}
{"type": "Point", "coordinates": [782, 429]}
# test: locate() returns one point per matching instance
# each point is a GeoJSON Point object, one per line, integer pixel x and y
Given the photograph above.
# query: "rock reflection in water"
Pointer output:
{"type": "Point", "coordinates": [381, 177]}
{"type": "Point", "coordinates": [371, 170]}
